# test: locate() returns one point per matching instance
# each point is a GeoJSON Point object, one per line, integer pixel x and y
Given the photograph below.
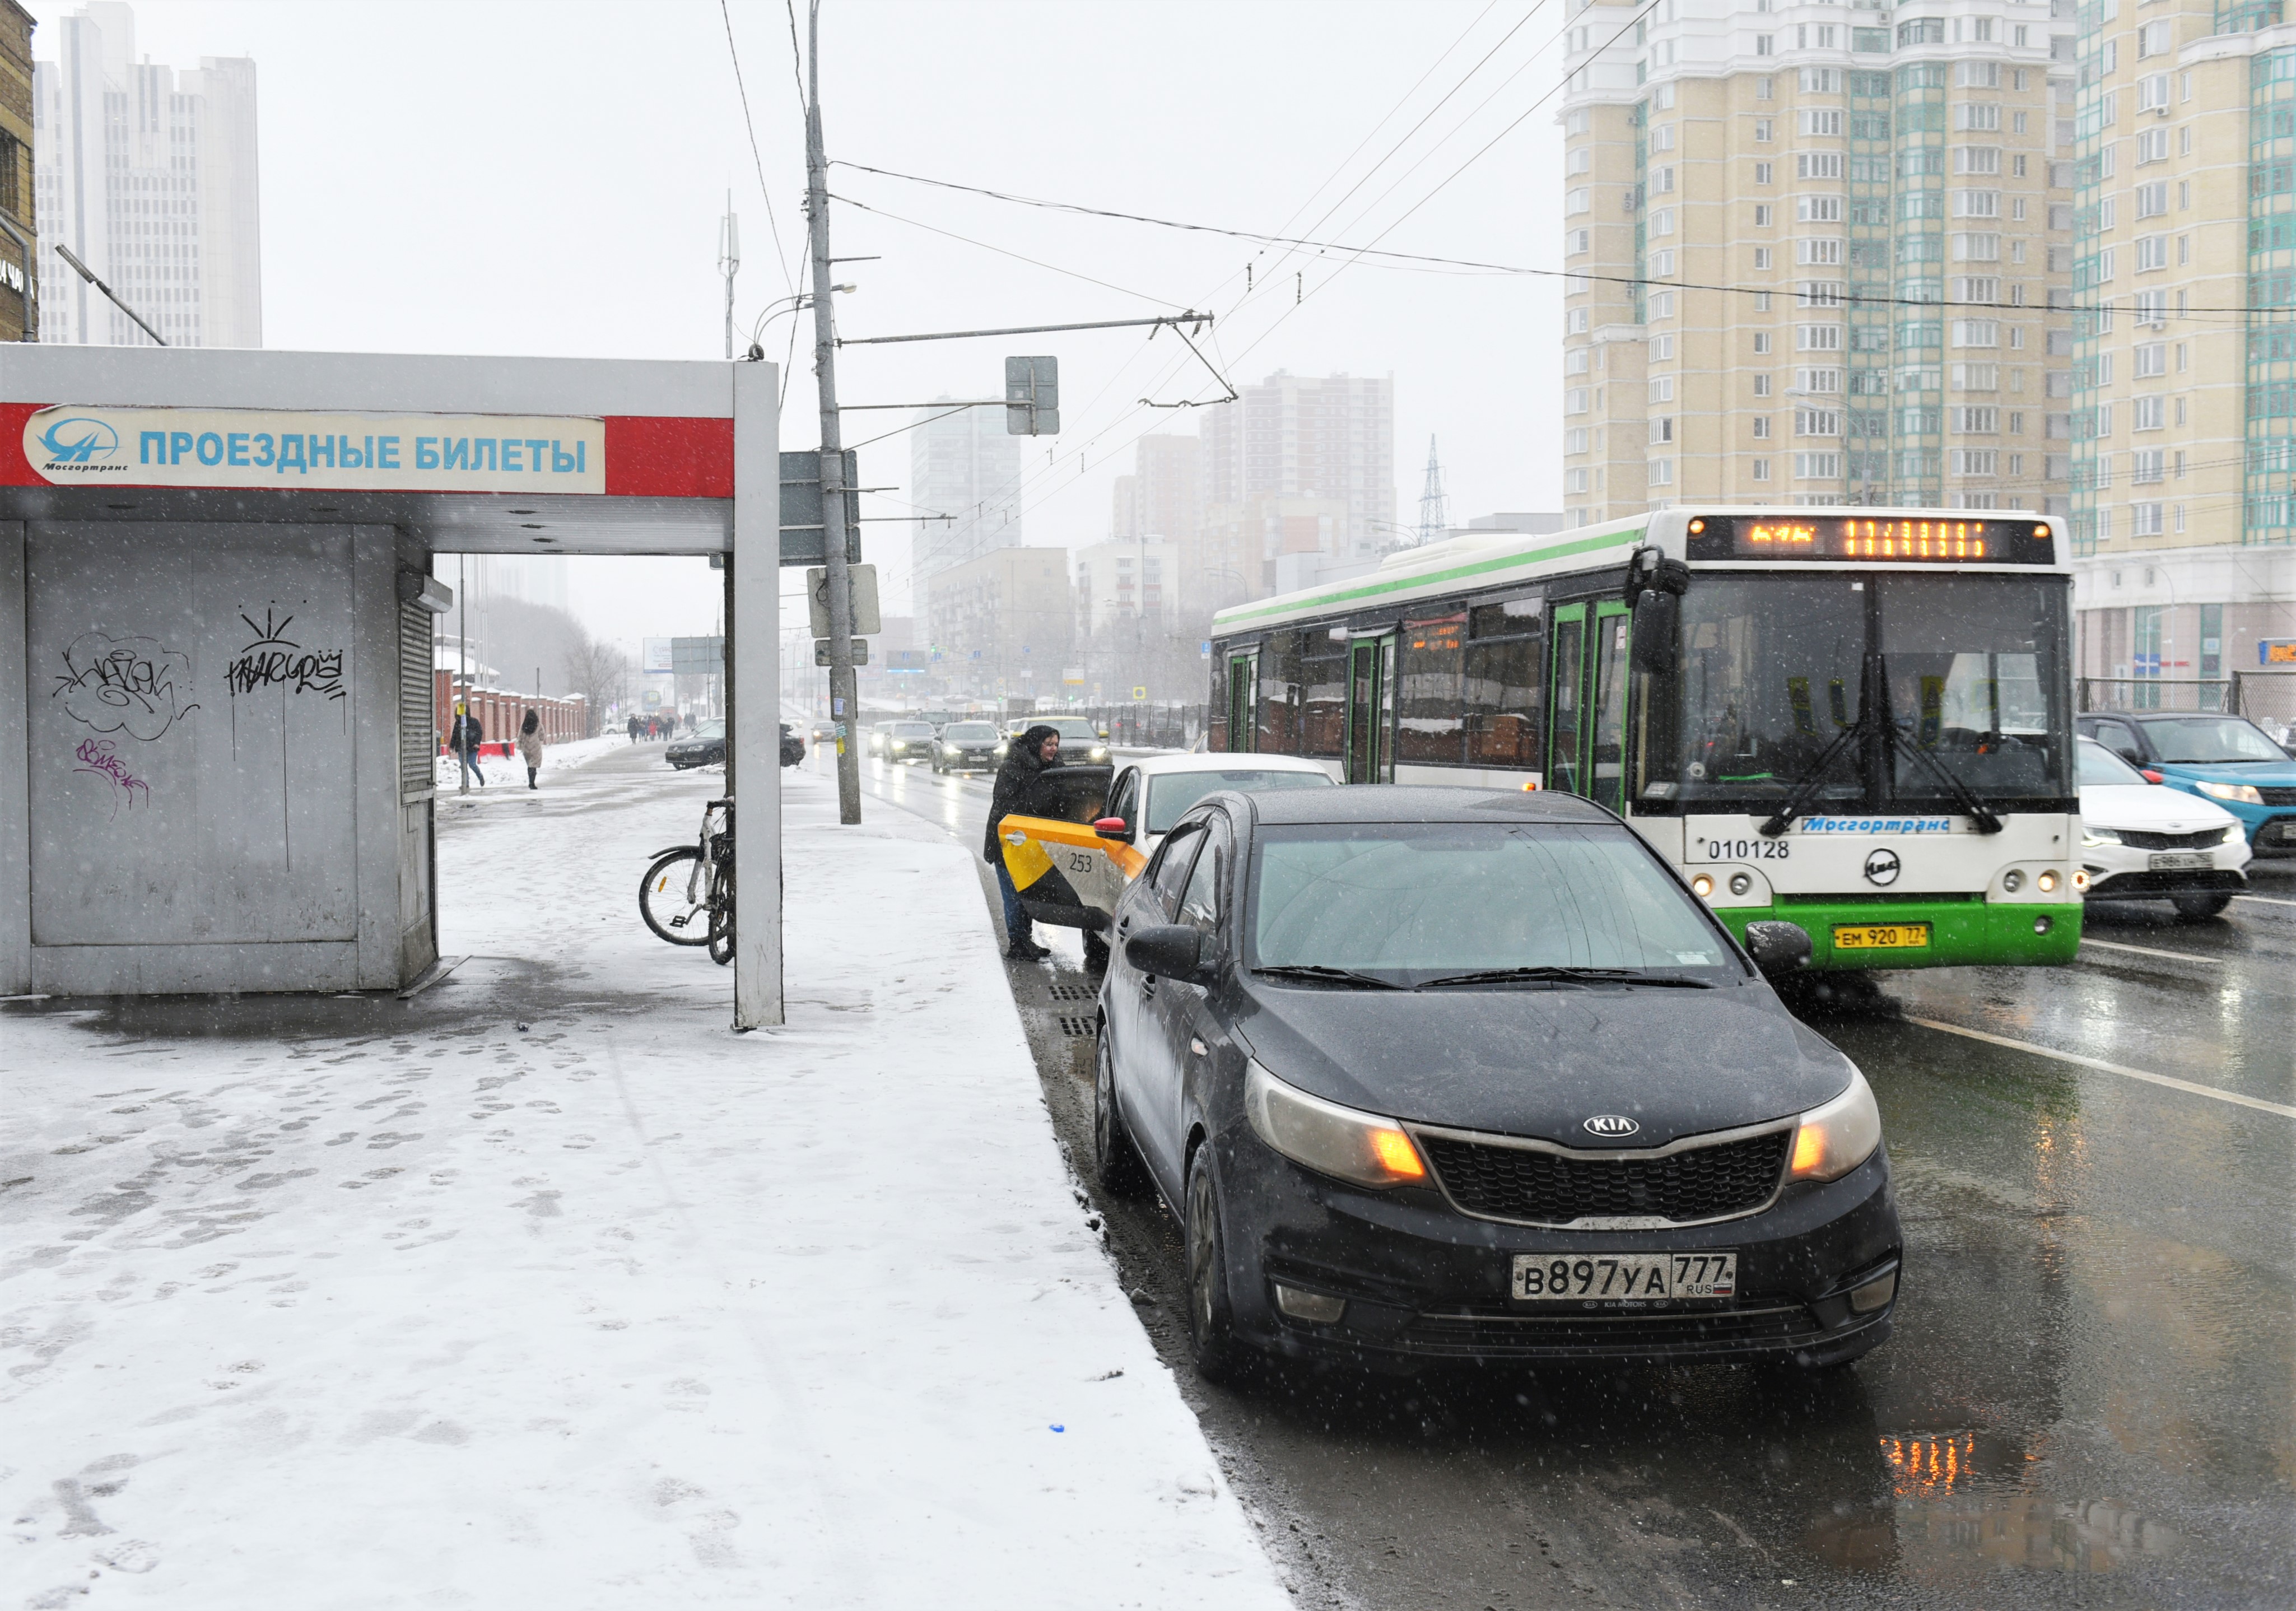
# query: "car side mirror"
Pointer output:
{"type": "Point", "coordinates": [1778, 948]}
{"type": "Point", "coordinates": [1112, 827]}
{"type": "Point", "coordinates": [1657, 618]}
{"type": "Point", "coordinates": [1169, 950]}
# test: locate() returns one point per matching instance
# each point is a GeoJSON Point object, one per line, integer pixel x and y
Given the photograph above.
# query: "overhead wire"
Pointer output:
{"type": "Point", "coordinates": [781, 253]}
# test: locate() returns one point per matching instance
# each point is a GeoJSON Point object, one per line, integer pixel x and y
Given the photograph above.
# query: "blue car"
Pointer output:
{"type": "Point", "coordinates": [2226, 759]}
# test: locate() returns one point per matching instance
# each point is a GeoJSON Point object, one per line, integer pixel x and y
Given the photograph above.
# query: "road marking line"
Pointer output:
{"type": "Point", "coordinates": [2266, 900]}
{"type": "Point", "coordinates": [2146, 950]}
{"type": "Point", "coordinates": [2171, 1082]}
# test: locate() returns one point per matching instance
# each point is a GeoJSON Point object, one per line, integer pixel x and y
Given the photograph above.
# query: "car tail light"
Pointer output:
{"type": "Point", "coordinates": [2152, 776]}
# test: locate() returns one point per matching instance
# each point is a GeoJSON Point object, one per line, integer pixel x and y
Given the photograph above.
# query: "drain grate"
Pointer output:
{"type": "Point", "coordinates": [1080, 1029]}
{"type": "Point", "coordinates": [1071, 992]}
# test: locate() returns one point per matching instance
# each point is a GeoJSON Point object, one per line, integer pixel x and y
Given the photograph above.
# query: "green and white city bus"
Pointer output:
{"type": "Point", "coordinates": [1858, 721]}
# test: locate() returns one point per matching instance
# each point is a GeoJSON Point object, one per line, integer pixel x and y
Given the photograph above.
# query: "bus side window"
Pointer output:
{"type": "Point", "coordinates": [1506, 697]}
{"type": "Point", "coordinates": [1279, 695]}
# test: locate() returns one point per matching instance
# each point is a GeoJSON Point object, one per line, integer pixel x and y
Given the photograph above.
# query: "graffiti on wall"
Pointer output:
{"type": "Point", "coordinates": [98, 758]}
{"type": "Point", "coordinates": [125, 684]}
{"type": "Point", "coordinates": [276, 660]}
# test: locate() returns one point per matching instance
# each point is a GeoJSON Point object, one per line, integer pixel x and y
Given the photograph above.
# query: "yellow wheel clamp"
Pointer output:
{"type": "Point", "coordinates": [1067, 874]}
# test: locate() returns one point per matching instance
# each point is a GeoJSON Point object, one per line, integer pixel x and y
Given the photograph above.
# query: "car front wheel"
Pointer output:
{"type": "Point", "coordinates": [1218, 1353]}
{"type": "Point", "coordinates": [2199, 908]}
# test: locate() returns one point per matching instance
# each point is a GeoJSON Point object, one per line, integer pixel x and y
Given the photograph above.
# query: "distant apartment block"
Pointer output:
{"type": "Point", "coordinates": [19, 269]}
{"type": "Point", "coordinates": [1163, 498]}
{"type": "Point", "coordinates": [1002, 623]}
{"type": "Point", "coordinates": [1125, 580]}
{"type": "Point", "coordinates": [1296, 467]}
{"type": "Point", "coordinates": [1821, 255]}
{"type": "Point", "coordinates": [965, 474]}
{"type": "Point", "coordinates": [2184, 343]}
{"type": "Point", "coordinates": [150, 176]}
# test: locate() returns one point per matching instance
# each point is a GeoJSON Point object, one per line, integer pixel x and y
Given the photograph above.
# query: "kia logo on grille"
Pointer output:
{"type": "Point", "coordinates": [1883, 867]}
{"type": "Point", "coordinates": [1611, 1124]}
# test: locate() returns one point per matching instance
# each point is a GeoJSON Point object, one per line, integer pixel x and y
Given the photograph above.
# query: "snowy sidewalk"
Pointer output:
{"type": "Point", "coordinates": [546, 1290]}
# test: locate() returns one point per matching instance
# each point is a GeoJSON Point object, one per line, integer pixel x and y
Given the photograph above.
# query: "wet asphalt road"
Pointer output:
{"type": "Point", "coordinates": [2087, 1401]}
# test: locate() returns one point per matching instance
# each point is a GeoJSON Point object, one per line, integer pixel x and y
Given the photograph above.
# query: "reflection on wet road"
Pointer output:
{"type": "Point", "coordinates": [2088, 1400]}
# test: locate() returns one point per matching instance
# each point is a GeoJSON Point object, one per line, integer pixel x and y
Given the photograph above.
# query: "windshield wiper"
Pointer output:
{"type": "Point", "coordinates": [1567, 975]}
{"type": "Point", "coordinates": [1987, 819]}
{"type": "Point", "coordinates": [1329, 975]}
{"type": "Point", "coordinates": [1807, 786]}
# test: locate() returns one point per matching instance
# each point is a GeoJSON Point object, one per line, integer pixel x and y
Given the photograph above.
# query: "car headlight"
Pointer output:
{"type": "Point", "coordinates": [999, 749]}
{"type": "Point", "coordinates": [2090, 836]}
{"type": "Point", "coordinates": [1836, 1139]}
{"type": "Point", "coordinates": [1326, 1137]}
{"type": "Point", "coordinates": [1099, 752]}
{"type": "Point", "coordinates": [2245, 793]}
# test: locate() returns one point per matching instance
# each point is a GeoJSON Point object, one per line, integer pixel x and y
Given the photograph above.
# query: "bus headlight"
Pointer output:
{"type": "Point", "coordinates": [2047, 882]}
{"type": "Point", "coordinates": [1836, 1139]}
{"type": "Point", "coordinates": [1702, 886]}
{"type": "Point", "coordinates": [2012, 881]}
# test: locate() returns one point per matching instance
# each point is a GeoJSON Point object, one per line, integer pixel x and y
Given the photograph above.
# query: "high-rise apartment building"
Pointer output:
{"type": "Point", "coordinates": [150, 176]}
{"type": "Point", "coordinates": [964, 471]}
{"type": "Point", "coordinates": [1002, 622]}
{"type": "Point", "coordinates": [2183, 340]}
{"type": "Point", "coordinates": [1163, 499]}
{"type": "Point", "coordinates": [1820, 251]}
{"type": "Point", "coordinates": [1297, 466]}
{"type": "Point", "coordinates": [19, 269]}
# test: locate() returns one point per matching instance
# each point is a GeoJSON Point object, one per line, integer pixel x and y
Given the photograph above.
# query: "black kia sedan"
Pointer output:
{"type": "Point", "coordinates": [1437, 1074]}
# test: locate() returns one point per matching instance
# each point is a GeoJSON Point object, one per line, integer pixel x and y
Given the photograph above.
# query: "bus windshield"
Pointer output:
{"type": "Point", "coordinates": [1973, 685]}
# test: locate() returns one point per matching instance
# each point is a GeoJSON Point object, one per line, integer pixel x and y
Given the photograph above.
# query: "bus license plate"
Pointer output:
{"type": "Point", "coordinates": [1546, 1277]}
{"type": "Point", "coordinates": [1882, 937]}
{"type": "Point", "coordinates": [2178, 861]}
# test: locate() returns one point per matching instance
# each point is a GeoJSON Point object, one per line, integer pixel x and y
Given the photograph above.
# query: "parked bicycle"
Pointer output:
{"type": "Point", "coordinates": [687, 895]}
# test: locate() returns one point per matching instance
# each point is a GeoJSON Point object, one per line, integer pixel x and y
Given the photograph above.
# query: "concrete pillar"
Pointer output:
{"type": "Point", "coordinates": [15, 768]}
{"type": "Point", "coordinates": [753, 737]}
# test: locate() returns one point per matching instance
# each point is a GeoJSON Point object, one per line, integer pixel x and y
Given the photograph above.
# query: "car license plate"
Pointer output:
{"type": "Point", "coordinates": [2172, 862]}
{"type": "Point", "coordinates": [1546, 1277]}
{"type": "Point", "coordinates": [1881, 936]}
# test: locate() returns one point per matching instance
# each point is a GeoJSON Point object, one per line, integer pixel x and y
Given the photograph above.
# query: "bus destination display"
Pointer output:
{"type": "Point", "coordinates": [1805, 535]}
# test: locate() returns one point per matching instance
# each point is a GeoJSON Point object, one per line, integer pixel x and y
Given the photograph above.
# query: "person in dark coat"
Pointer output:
{"type": "Point", "coordinates": [1020, 790]}
{"type": "Point", "coordinates": [634, 727]}
{"type": "Point", "coordinates": [469, 732]}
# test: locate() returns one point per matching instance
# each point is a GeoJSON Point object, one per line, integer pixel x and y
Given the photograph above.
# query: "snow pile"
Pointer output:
{"type": "Point", "coordinates": [555, 757]}
{"type": "Point", "coordinates": [546, 1289]}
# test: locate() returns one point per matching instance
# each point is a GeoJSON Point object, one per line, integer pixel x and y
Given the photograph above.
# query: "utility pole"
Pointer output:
{"type": "Point", "coordinates": [844, 701]}
{"type": "Point", "coordinates": [729, 262]}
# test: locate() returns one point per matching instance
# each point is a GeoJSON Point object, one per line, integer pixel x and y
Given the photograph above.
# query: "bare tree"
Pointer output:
{"type": "Point", "coordinates": [600, 674]}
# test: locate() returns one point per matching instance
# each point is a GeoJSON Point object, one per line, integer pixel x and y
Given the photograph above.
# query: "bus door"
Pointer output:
{"type": "Point", "coordinates": [1371, 709]}
{"type": "Point", "coordinates": [1244, 703]}
{"type": "Point", "coordinates": [1587, 741]}
{"type": "Point", "coordinates": [1606, 708]}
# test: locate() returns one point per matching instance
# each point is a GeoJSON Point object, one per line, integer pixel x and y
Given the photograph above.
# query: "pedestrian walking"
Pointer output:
{"type": "Point", "coordinates": [634, 726]}
{"type": "Point", "coordinates": [468, 735]}
{"type": "Point", "coordinates": [1020, 791]}
{"type": "Point", "coordinates": [529, 746]}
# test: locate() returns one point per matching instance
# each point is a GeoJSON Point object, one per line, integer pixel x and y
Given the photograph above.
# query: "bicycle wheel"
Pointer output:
{"type": "Point", "coordinates": [721, 921]}
{"type": "Point", "coordinates": [674, 898]}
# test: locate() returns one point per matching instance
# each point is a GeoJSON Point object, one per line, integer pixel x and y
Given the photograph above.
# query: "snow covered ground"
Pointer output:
{"type": "Point", "coordinates": [546, 1289]}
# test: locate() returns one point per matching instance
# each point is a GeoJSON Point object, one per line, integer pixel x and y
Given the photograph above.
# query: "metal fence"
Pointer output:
{"type": "Point", "coordinates": [1145, 725]}
{"type": "Point", "coordinates": [2267, 698]}
{"type": "Point", "coordinates": [2154, 694]}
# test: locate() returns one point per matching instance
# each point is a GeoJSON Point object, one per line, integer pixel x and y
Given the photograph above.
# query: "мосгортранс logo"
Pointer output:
{"type": "Point", "coordinates": [80, 444]}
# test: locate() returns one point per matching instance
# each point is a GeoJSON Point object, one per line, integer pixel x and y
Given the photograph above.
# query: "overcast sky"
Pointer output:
{"type": "Point", "coordinates": [547, 178]}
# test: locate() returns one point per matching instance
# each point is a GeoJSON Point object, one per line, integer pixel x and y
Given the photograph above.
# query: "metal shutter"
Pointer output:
{"type": "Point", "coordinates": [418, 742]}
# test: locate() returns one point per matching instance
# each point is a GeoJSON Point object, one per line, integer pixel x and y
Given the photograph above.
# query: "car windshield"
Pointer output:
{"type": "Point", "coordinates": [912, 729]}
{"type": "Point", "coordinates": [1410, 902]}
{"type": "Point", "coordinates": [976, 730]}
{"type": "Point", "coordinates": [2099, 765]}
{"type": "Point", "coordinates": [1072, 729]}
{"type": "Point", "coordinates": [2200, 740]}
{"type": "Point", "coordinates": [1171, 796]}
{"type": "Point", "coordinates": [717, 729]}
{"type": "Point", "coordinates": [1774, 672]}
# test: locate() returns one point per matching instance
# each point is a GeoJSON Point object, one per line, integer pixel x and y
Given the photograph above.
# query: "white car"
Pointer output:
{"type": "Point", "coordinates": [2142, 842]}
{"type": "Point", "coordinates": [1152, 793]}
